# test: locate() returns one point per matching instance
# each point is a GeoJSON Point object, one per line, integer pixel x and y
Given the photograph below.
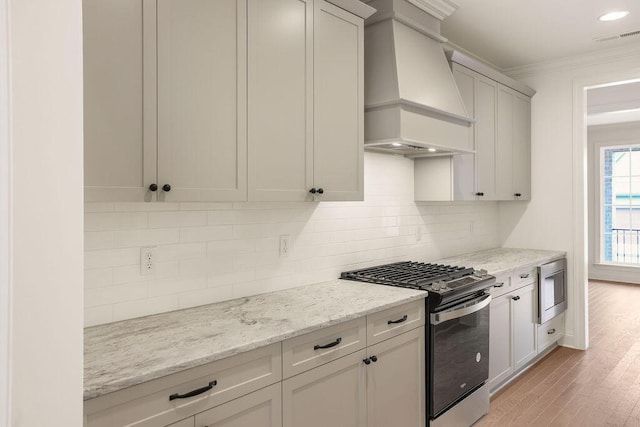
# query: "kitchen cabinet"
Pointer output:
{"type": "Point", "coordinates": [165, 100]}
{"type": "Point", "coordinates": [207, 100]}
{"type": "Point", "coordinates": [330, 376]}
{"type": "Point", "coordinates": [379, 386]}
{"type": "Point", "coordinates": [500, 169]}
{"type": "Point", "coordinates": [309, 144]}
{"type": "Point", "coordinates": [262, 408]}
{"type": "Point", "coordinates": [513, 332]}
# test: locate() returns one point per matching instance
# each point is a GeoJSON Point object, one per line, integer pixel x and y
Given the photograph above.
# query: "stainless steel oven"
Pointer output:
{"type": "Point", "coordinates": [459, 346]}
{"type": "Point", "coordinates": [552, 289]}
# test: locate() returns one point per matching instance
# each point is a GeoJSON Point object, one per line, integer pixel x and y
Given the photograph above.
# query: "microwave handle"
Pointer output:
{"type": "Point", "coordinates": [479, 304]}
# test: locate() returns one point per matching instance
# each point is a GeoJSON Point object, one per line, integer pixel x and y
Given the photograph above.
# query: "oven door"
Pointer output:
{"type": "Point", "coordinates": [459, 337]}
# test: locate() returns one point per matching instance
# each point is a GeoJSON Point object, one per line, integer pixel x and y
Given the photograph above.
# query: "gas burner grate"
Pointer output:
{"type": "Point", "coordinates": [407, 274]}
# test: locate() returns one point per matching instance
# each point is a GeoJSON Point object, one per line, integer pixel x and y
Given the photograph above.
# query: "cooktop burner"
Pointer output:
{"type": "Point", "coordinates": [443, 282]}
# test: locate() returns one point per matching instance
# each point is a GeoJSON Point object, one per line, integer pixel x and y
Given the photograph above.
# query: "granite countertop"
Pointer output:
{"type": "Point", "coordinates": [503, 260]}
{"type": "Point", "coordinates": [123, 354]}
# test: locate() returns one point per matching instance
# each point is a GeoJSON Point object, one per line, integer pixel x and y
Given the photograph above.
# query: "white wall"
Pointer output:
{"type": "Point", "coordinates": [210, 252]}
{"type": "Point", "coordinates": [558, 166]}
{"type": "Point", "coordinates": [46, 213]}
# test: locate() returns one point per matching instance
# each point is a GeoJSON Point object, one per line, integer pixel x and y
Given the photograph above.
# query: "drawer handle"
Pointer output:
{"type": "Point", "coordinates": [374, 358]}
{"type": "Point", "coordinates": [524, 276]}
{"type": "Point", "coordinates": [331, 344]}
{"type": "Point", "coordinates": [551, 331]}
{"type": "Point", "coordinates": [515, 298]}
{"type": "Point", "coordinates": [402, 319]}
{"type": "Point", "coordinates": [367, 361]}
{"type": "Point", "coordinates": [194, 392]}
{"type": "Point", "coordinates": [498, 285]}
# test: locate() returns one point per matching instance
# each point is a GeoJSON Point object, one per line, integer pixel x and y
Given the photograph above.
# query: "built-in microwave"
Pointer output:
{"type": "Point", "coordinates": [552, 289]}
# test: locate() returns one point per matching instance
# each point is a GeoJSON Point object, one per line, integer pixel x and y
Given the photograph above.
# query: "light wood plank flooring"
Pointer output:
{"type": "Point", "coordinates": [597, 387]}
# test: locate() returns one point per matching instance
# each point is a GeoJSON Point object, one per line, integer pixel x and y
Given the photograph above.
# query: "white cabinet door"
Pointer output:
{"type": "Point", "coordinates": [504, 145]}
{"type": "Point", "coordinates": [329, 395]}
{"type": "Point", "coordinates": [521, 147]}
{"type": "Point", "coordinates": [262, 408]}
{"type": "Point", "coordinates": [485, 128]}
{"type": "Point", "coordinates": [202, 99]}
{"type": "Point", "coordinates": [524, 326]}
{"type": "Point", "coordinates": [119, 149]}
{"type": "Point", "coordinates": [500, 333]}
{"type": "Point", "coordinates": [338, 103]}
{"type": "Point", "coordinates": [280, 99]}
{"type": "Point", "coordinates": [396, 381]}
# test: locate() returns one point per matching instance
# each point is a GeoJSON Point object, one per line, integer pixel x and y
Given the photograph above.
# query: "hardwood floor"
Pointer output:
{"type": "Point", "coordinates": [597, 387]}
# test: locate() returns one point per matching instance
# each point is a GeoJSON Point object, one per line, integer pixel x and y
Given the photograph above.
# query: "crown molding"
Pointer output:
{"type": "Point", "coordinates": [438, 8]}
{"type": "Point", "coordinates": [598, 57]}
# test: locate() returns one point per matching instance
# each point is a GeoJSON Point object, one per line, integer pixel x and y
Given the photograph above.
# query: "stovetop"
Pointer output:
{"type": "Point", "coordinates": [443, 282]}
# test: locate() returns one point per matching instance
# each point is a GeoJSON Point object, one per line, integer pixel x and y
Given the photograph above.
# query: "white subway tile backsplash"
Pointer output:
{"type": "Point", "coordinates": [209, 252]}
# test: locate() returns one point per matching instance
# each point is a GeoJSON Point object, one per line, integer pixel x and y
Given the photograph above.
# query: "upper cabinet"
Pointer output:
{"type": "Point", "coordinates": [500, 169]}
{"type": "Point", "coordinates": [223, 100]}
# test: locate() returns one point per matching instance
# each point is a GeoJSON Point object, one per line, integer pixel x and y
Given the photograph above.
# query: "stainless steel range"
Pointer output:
{"type": "Point", "coordinates": [457, 334]}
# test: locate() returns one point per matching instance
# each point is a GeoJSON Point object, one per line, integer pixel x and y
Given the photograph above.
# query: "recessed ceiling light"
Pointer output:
{"type": "Point", "coordinates": [396, 144]}
{"type": "Point", "coordinates": [612, 16]}
{"type": "Point", "coordinates": [432, 150]}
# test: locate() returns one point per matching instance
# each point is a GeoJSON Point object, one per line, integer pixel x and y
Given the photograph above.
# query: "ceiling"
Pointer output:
{"type": "Point", "coordinates": [514, 33]}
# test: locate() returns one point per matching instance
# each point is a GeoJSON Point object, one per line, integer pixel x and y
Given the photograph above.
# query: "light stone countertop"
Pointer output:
{"type": "Point", "coordinates": [123, 354]}
{"type": "Point", "coordinates": [503, 260]}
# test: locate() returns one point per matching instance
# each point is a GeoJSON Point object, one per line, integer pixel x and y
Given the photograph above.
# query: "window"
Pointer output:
{"type": "Point", "coordinates": [620, 204]}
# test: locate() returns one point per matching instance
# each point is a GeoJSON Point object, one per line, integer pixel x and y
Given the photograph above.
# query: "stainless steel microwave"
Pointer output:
{"type": "Point", "coordinates": [552, 289]}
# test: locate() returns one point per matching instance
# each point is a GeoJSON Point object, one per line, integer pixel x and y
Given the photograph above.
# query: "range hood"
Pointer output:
{"type": "Point", "coordinates": [412, 104]}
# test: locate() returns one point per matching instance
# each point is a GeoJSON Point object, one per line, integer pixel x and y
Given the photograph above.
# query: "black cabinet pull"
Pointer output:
{"type": "Point", "coordinates": [320, 191]}
{"type": "Point", "coordinates": [518, 194]}
{"type": "Point", "coordinates": [194, 392]}
{"type": "Point", "coordinates": [153, 187]}
{"type": "Point", "coordinates": [402, 319]}
{"type": "Point", "coordinates": [524, 276]}
{"type": "Point", "coordinates": [551, 331]}
{"type": "Point", "coordinates": [166, 188]}
{"type": "Point", "coordinates": [312, 191]}
{"type": "Point", "coordinates": [374, 358]}
{"type": "Point", "coordinates": [366, 361]}
{"type": "Point", "coordinates": [331, 344]}
{"type": "Point", "coordinates": [498, 285]}
{"type": "Point", "coordinates": [480, 194]}
{"type": "Point", "coordinates": [515, 298]}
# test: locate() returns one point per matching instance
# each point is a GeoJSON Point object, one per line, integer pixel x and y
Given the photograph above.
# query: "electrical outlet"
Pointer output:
{"type": "Point", "coordinates": [147, 261]}
{"type": "Point", "coordinates": [418, 233]}
{"type": "Point", "coordinates": [285, 245]}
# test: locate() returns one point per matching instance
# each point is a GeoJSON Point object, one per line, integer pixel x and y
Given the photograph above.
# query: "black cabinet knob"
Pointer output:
{"type": "Point", "coordinates": [374, 358]}
{"type": "Point", "coordinates": [312, 191]}
{"type": "Point", "coordinates": [320, 191]}
{"type": "Point", "coordinates": [480, 194]}
{"type": "Point", "coordinates": [515, 298]}
{"type": "Point", "coordinates": [166, 188]}
{"type": "Point", "coordinates": [366, 361]}
{"type": "Point", "coordinates": [153, 187]}
{"type": "Point", "coordinates": [518, 194]}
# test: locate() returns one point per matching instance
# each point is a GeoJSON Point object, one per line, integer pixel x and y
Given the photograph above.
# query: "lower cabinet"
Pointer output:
{"type": "Point", "coordinates": [381, 386]}
{"type": "Point", "coordinates": [262, 408]}
{"type": "Point", "coordinates": [396, 381]}
{"type": "Point", "coordinates": [513, 333]}
{"type": "Point", "coordinates": [333, 394]}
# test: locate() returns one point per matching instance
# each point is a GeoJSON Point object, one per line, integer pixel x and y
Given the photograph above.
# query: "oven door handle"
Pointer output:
{"type": "Point", "coordinates": [455, 313]}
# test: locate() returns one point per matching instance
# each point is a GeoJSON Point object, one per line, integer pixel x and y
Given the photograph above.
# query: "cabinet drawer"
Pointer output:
{"type": "Point", "coordinates": [317, 348]}
{"type": "Point", "coordinates": [149, 404]}
{"type": "Point", "coordinates": [394, 321]}
{"type": "Point", "coordinates": [523, 276]}
{"type": "Point", "coordinates": [501, 286]}
{"type": "Point", "coordinates": [550, 332]}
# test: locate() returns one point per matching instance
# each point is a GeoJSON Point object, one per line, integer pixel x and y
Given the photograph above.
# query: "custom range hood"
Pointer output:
{"type": "Point", "coordinates": [412, 104]}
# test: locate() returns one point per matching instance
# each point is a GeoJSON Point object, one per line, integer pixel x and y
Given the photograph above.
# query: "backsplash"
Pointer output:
{"type": "Point", "coordinates": [208, 252]}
